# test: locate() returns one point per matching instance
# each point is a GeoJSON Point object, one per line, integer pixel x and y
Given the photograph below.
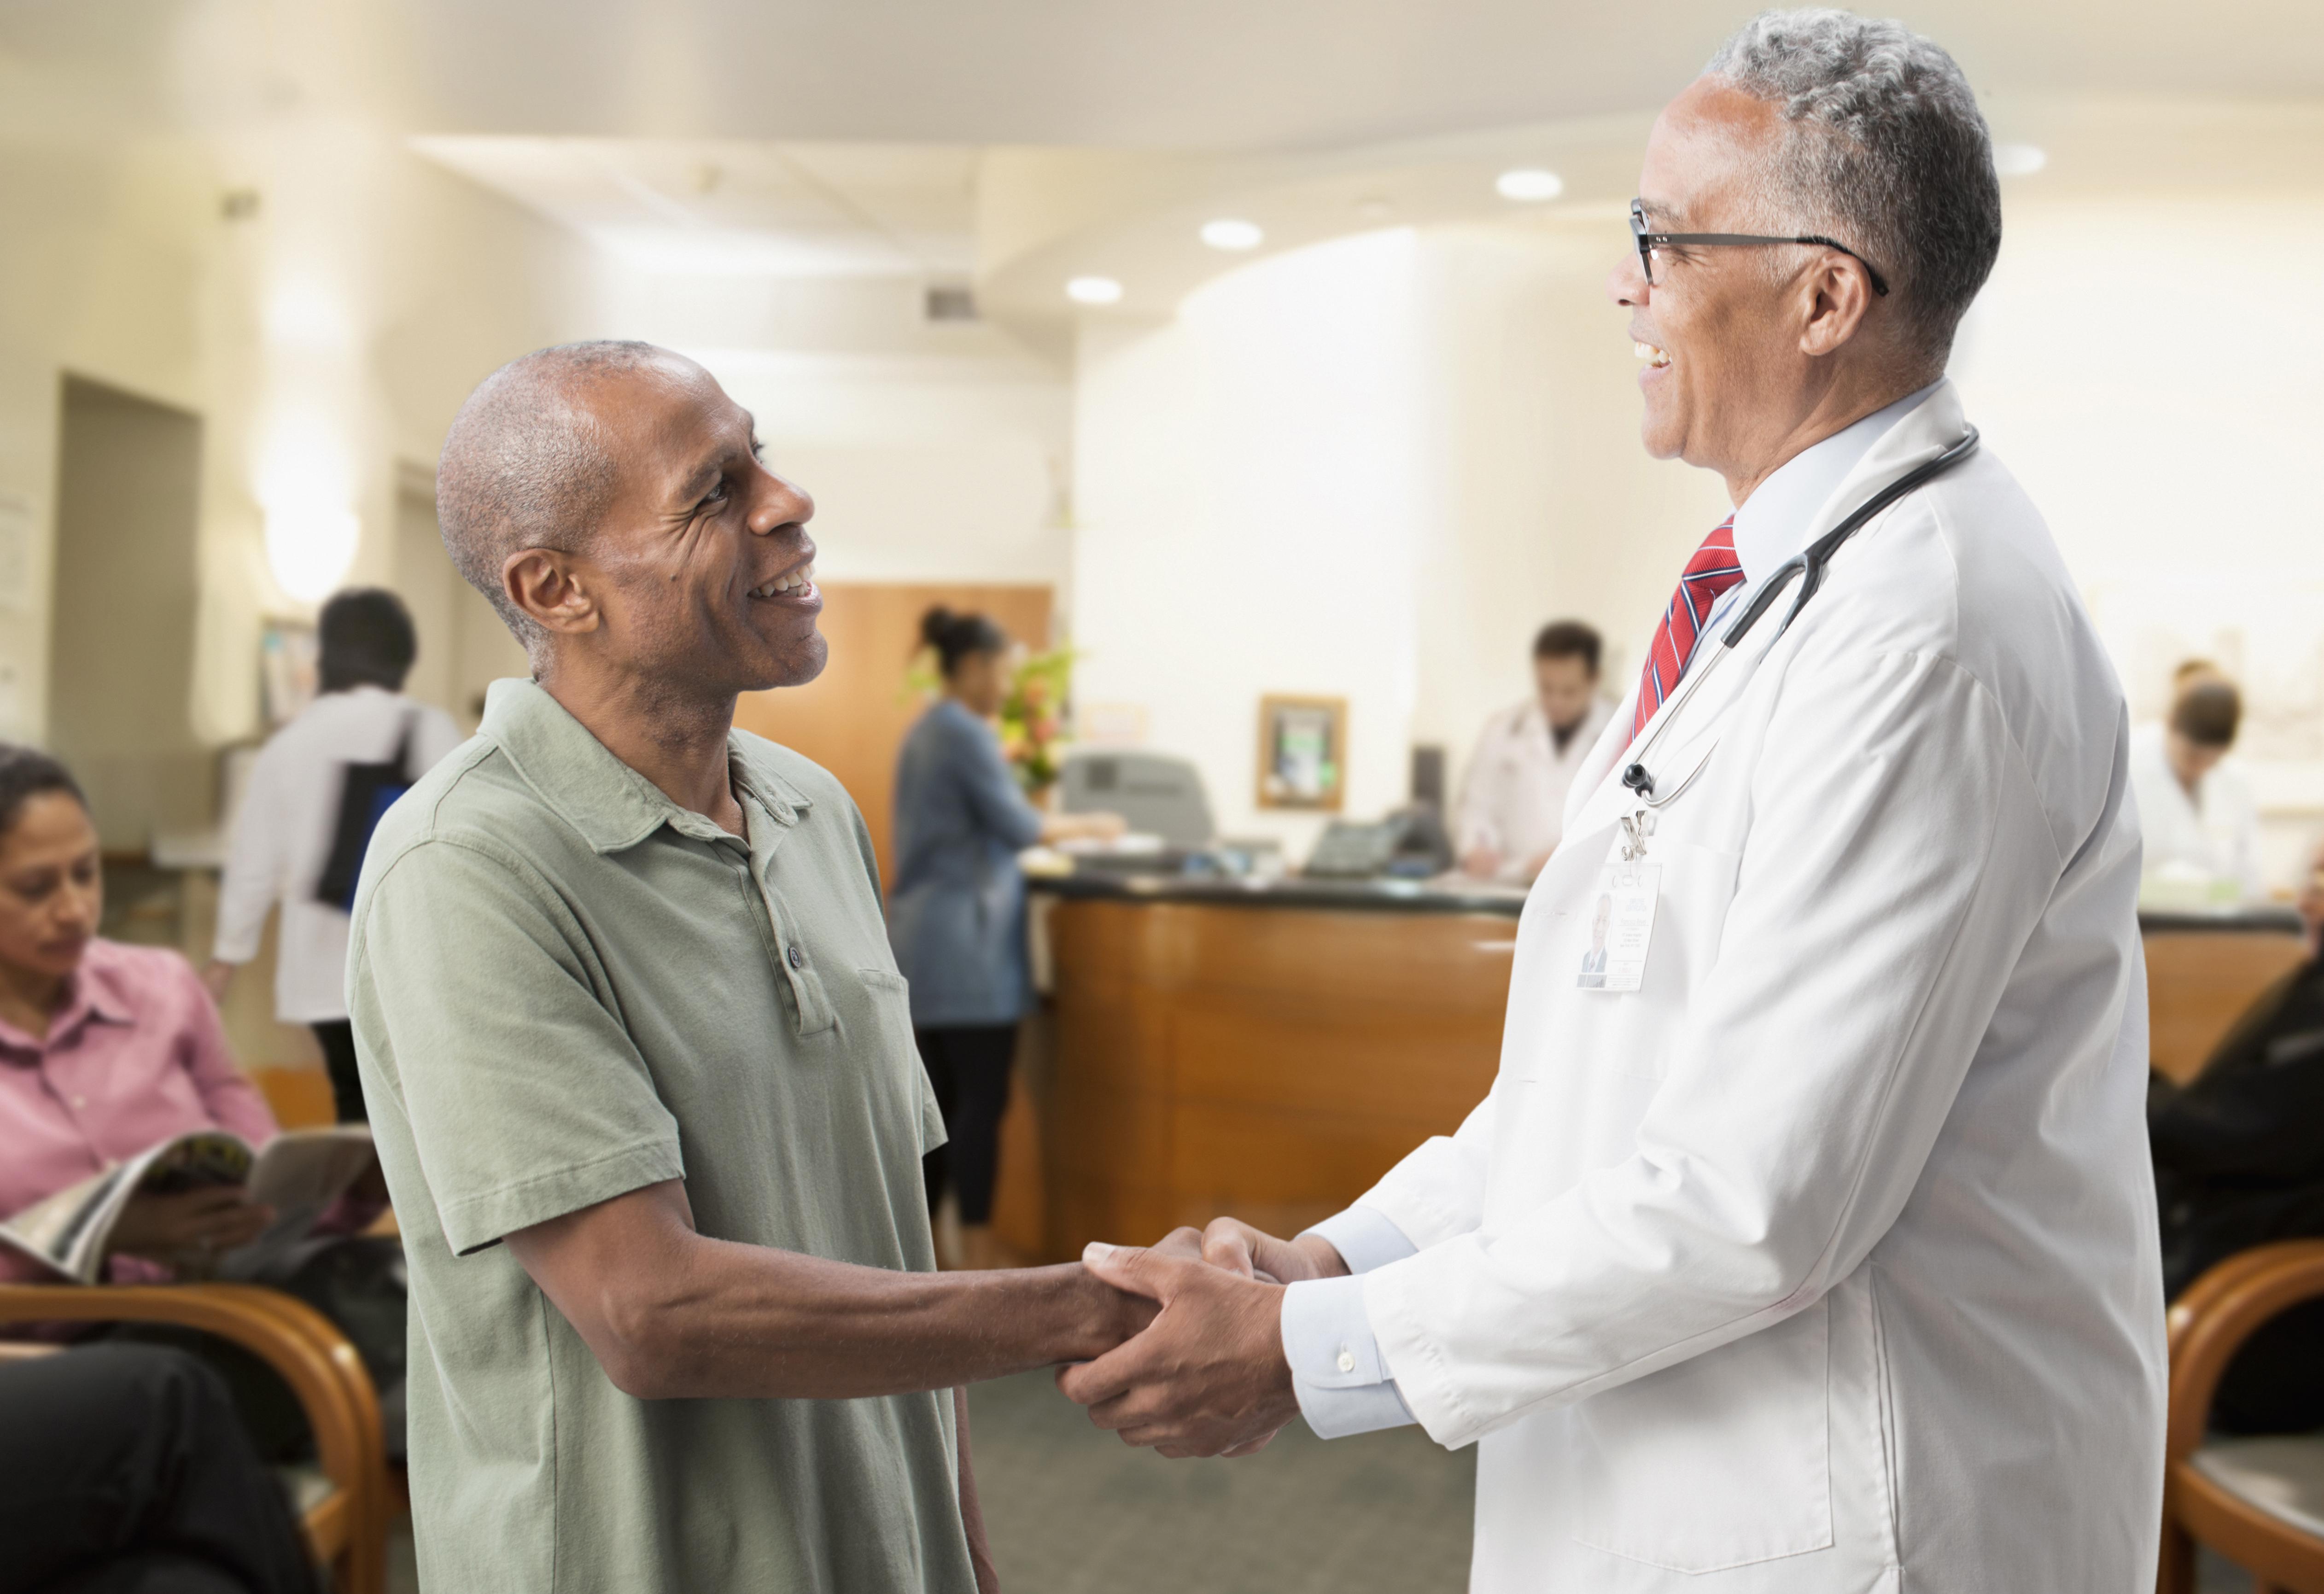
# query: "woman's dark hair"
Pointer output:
{"type": "Point", "coordinates": [25, 772]}
{"type": "Point", "coordinates": [2208, 713]}
{"type": "Point", "coordinates": [367, 640]}
{"type": "Point", "coordinates": [956, 636]}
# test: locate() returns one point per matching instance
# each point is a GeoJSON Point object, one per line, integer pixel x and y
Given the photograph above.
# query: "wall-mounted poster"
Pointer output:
{"type": "Point", "coordinates": [1303, 752]}
{"type": "Point", "coordinates": [289, 668]}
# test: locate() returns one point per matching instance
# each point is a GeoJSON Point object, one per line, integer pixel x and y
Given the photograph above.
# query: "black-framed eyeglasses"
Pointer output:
{"type": "Point", "coordinates": [1648, 242]}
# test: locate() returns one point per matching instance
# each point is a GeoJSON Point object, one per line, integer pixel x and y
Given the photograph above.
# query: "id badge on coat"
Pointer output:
{"type": "Point", "coordinates": [1621, 926]}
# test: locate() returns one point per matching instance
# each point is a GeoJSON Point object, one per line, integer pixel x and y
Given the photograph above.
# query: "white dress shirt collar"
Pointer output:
{"type": "Point", "coordinates": [1772, 525]}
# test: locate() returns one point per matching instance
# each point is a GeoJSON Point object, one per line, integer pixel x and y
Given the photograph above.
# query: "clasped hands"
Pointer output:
{"type": "Point", "coordinates": [1207, 1376]}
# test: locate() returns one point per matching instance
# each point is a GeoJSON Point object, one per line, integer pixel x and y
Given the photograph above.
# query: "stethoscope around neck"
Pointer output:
{"type": "Point", "coordinates": [1808, 568]}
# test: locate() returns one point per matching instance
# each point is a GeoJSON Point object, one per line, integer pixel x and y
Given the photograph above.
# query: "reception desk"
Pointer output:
{"type": "Point", "coordinates": [1270, 1050]}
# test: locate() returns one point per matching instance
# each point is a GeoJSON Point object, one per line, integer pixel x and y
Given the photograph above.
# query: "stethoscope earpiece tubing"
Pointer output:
{"type": "Point", "coordinates": [1808, 567]}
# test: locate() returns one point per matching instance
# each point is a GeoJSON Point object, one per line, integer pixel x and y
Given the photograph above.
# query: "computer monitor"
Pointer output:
{"type": "Point", "coordinates": [1157, 793]}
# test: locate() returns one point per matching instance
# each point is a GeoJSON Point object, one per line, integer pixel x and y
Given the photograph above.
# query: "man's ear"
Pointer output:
{"type": "Point", "coordinates": [547, 586]}
{"type": "Point", "coordinates": [1837, 297]}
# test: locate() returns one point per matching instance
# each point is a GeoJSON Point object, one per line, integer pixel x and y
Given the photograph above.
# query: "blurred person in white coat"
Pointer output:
{"type": "Point", "coordinates": [1812, 1249]}
{"type": "Point", "coordinates": [2195, 805]}
{"type": "Point", "coordinates": [1513, 797]}
{"type": "Point", "coordinates": [289, 826]}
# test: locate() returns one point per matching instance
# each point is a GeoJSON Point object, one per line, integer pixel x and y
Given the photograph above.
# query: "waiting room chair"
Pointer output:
{"type": "Point", "coordinates": [2260, 1501]}
{"type": "Point", "coordinates": [346, 1519]}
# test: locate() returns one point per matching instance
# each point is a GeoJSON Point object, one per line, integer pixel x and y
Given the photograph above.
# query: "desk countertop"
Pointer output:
{"type": "Point", "coordinates": [1453, 894]}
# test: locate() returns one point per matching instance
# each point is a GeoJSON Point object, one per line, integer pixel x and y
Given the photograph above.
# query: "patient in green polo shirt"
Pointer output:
{"type": "Point", "coordinates": [641, 1064]}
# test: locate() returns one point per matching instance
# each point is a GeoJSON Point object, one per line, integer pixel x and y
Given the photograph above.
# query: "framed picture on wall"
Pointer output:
{"type": "Point", "coordinates": [1303, 752]}
{"type": "Point", "coordinates": [289, 668]}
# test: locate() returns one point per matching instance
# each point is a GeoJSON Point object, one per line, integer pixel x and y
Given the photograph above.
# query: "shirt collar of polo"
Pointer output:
{"type": "Point", "coordinates": [612, 805]}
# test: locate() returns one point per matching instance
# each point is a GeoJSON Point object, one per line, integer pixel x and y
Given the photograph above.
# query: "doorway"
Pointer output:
{"type": "Point", "coordinates": [464, 647]}
{"type": "Point", "coordinates": [120, 636]}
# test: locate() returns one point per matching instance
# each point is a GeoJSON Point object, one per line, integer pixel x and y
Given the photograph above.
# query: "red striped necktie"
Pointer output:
{"type": "Point", "coordinates": [1713, 569]}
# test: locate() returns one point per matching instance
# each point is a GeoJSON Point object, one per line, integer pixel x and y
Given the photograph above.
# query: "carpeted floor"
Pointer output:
{"type": "Point", "coordinates": [1072, 1510]}
{"type": "Point", "coordinates": [1075, 1511]}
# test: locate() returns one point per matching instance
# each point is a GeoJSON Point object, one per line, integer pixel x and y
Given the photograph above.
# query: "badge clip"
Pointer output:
{"type": "Point", "coordinates": [1635, 828]}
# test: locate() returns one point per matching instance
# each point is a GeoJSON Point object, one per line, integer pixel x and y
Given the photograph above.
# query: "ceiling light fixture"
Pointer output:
{"type": "Point", "coordinates": [1530, 184]}
{"type": "Point", "coordinates": [2019, 159]}
{"type": "Point", "coordinates": [1230, 233]}
{"type": "Point", "coordinates": [1093, 290]}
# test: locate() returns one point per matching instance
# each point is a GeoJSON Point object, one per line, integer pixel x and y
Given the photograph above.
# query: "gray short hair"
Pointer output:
{"type": "Point", "coordinates": [1886, 151]}
{"type": "Point", "coordinates": [528, 464]}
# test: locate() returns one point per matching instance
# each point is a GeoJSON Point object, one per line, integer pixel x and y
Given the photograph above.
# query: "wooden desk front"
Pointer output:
{"type": "Point", "coordinates": [1273, 1062]}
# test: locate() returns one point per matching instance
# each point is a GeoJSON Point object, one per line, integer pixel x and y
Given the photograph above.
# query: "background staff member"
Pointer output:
{"type": "Point", "coordinates": [956, 913]}
{"type": "Point", "coordinates": [2195, 808]}
{"type": "Point", "coordinates": [290, 814]}
{"type": "Point", "coordinates": [1513, 798]}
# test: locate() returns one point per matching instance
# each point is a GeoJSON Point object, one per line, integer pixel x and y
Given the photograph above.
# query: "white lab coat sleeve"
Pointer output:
{"type": "Point", "coordinates": [1474, 818]}
{"type": "Point", "coordinates": [257, 853]}
{"type": "Point", "coordinates": [2250, 873]}
{"type": "Point", "coordinates": [1898, 861]}
{"type": "Point", "coordinates": [1438, 1192]}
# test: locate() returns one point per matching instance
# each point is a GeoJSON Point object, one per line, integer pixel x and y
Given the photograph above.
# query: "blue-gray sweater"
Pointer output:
{"type": "Point", "coordinates": [957, 913]}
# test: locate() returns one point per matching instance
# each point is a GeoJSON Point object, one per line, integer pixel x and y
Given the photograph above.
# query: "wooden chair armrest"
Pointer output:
{"type": "Point", "coordinates": [2218, 1312]}
{"type": "Point", "coordinates": [299, 1343]}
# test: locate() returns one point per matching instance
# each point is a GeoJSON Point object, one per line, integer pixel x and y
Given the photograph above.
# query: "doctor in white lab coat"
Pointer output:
{"type": "Point", "coordinates": [2195, 805]}
{"type": "Point", "coordinates": [1513, 795]}
{"type": "Point", "coordinates": [1817, 1252]}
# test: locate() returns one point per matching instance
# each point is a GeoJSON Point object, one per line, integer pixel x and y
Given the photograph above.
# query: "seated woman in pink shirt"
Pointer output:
{"type": "Point", "coordinates": [105, 1048]}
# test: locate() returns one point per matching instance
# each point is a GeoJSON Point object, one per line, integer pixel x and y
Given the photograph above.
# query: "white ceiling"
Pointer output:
{"type": "Point", "coordinates": [721, 207]}
{"type": "Point", "coordinates": [1236, 73]}
{"type": "Point", "coordinates": [1183, 74]}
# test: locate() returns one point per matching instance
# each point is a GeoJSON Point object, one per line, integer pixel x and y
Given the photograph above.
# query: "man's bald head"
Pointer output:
{"type": "Point", "coordinates": [528, 462]}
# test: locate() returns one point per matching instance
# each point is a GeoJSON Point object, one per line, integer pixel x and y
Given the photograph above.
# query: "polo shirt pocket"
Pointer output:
{"type": "Point", "coordinates": [889, 1044]}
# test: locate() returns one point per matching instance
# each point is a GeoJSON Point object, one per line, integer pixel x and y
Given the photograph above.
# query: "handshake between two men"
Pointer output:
{"type": "Point", "coordinates": [1207, 1376]}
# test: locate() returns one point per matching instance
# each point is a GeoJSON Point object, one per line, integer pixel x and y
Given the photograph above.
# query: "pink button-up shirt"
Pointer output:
{"type": "Point", "coordinates": [137, 1054]}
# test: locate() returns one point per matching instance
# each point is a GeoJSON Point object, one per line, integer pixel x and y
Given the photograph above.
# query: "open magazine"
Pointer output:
{"type": "Point", "coordinates": [301, 1174]}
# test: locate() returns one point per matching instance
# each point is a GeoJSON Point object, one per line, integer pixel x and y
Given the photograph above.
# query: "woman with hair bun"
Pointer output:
{"type": "Point", "coordinates": [956, 911]}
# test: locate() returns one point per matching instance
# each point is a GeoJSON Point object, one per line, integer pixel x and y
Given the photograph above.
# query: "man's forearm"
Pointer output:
{"type": "Point", "coordinates": [752, 1322]}
{"type": "Point", "coordinates": [671, 1313]}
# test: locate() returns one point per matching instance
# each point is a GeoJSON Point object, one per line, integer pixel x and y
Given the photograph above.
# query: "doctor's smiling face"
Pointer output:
{"type": "Point", "coordinates": [1753, 352]}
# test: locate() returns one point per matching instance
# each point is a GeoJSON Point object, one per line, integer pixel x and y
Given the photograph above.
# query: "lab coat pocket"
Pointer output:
{"type": "Point", "coordinates": [1721, 1460]}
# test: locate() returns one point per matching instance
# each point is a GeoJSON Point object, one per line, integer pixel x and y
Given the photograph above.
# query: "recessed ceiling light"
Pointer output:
{"type": "Point", "coordinates": [2019, 159]}
{"type": "Point", "coordinates": [1093, 290]}
{"type": "Point", "coordinates": [1231, 233]}
{"type": "Point", "coordinates": [1529, 183]}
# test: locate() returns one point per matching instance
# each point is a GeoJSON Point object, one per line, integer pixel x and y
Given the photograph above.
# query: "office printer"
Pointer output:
{"type": "Point", "coordinates": [1157, 793]}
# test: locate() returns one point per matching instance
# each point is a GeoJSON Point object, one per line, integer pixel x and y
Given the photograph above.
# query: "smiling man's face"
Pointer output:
{"type": "Point", "coordinates": [702, 567]}
{"type": "Point", "coordinates": [1717, 328]}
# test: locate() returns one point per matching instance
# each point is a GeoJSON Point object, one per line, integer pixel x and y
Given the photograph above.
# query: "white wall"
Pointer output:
{"type": "Point", "coordinates": [2147, 367]}
{"type": "Point", "coordinates": [1247, 488]}
{"type": "Point", "coordinates": [923, 468]}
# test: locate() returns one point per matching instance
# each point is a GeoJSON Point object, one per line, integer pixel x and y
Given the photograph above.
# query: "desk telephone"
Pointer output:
{"type": "Point", "coordinates": [1410, 843]}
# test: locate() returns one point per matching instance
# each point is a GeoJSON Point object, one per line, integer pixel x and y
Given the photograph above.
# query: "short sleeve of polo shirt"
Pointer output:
{"type": "Point", "coordinates": [476, 991]}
